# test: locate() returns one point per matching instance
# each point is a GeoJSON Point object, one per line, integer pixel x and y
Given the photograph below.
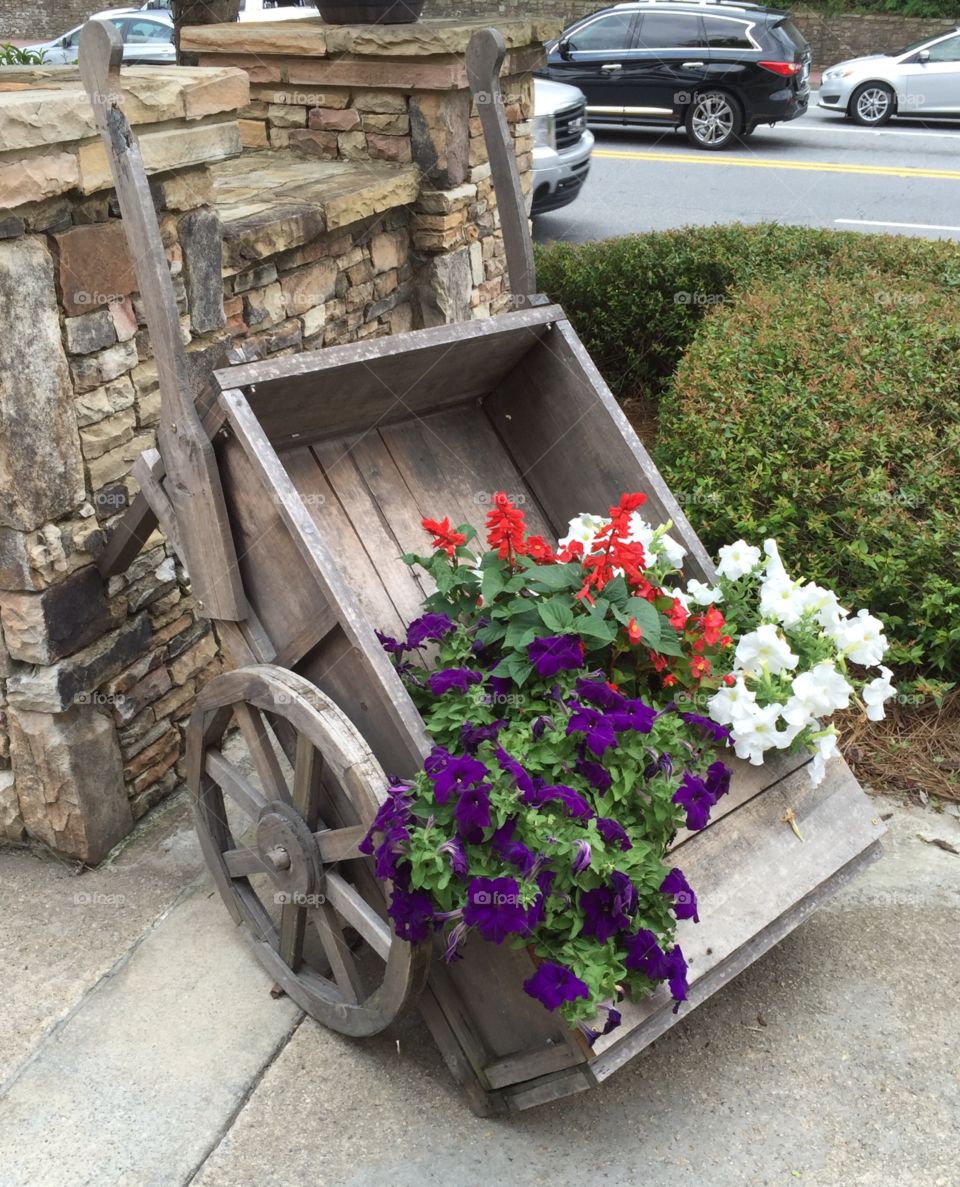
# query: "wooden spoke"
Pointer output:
{"type": "Point", "coordinates": [309, 816]}
{"type": "Point", "coordinates": [338, 952]}
{"type": "Point", "coordinates": [230, 780]}
{"type": "Point", "coordinates": [257, 739]}
{"type": "Point", "coordinates": [355, 909]}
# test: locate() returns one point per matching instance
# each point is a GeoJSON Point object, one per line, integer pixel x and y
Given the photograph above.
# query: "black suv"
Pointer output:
{"type": "Point", "coordinates": [717, 68]}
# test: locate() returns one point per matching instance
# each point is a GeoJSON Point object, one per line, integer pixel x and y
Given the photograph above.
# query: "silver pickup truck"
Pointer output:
{"type": "Point", "coordinates": [562, 144]}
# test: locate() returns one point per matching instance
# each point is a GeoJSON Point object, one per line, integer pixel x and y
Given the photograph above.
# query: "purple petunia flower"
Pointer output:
{"type": "Point", "coordinates": [540, 725]}
{"type": "Point", "coordinates": [454, 849]}
{"type": "Point", "coordinates": [644, 955]}
{"type": "Point", "coordinates": [613, 1019]}
{"type": "Point", "coordinates": [500, 687]}
{"type": "Point", "coordinates": [596, 775]}
{"type": "Point", "coordinates": [695, 798]}
{"type": "Point", "coordinates": [394, 811]}
{"type": "Point", "coordinates": [538, 912]}
{"type": "Point", "coordinates": [493, 907]}
{"type": "Point", "coordinates": [572, 801]}
{"type": "Point", "coordinates": [635, 715]}
{"type": "Point", "coordinates": [515, 852]}
{"type": "Point", "coordinates": [596, 727]}
{"type": "Point", "coordinates": [676, 975]}
{"type": "Point", "coordinates": [512, 767]}
{"type": "Point", "coordinates": [472, 813]}
{"type": "Point", "coordinates": [553, 984]}
{"type": "Point", "coordinates": [661, 765]}
{"type": "Point", "coordinates": [582, 859]}
{"type": "Point", "coordinates": [684, 900]}
{"type": "Point", "coordinates": [599, 694]}
{"type": "Point", "coordinates": [391, 850]}
{"type": "Point", "coordinates": [613, 833]}
{"type": "Point", "coordinates": [555, 653]}
{"type": "Point", "coordinates": [390, 645]}
{"type": "Point", "coordinates": [718, 779]}
{"type": "Point", "coordinates": [607, 909]}
{"type": "Point", "coordinates": [452, 680]}
{"type": "Point", "coordinates": [429, 628]}
{"type": "Point", "coordinates": [412, 914]}
{"type": "Point", "coordinates": [719, 733]}
{"type": "Point", "coordinates": [472, 735]}
{"type": "Point", "coordinates": [452, 775]}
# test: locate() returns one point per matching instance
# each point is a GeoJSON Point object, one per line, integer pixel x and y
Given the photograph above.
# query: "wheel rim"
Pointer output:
{"type": "Point", "coordinates": [873, 104]}
{"type": "Point", "coordinates": [712, 120]}
{"type": "Point", "coordinates": [280, 838]}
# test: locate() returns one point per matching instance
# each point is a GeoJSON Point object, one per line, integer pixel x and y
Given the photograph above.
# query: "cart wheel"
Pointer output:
{"type": "Point", "coordinates": [281, 841]}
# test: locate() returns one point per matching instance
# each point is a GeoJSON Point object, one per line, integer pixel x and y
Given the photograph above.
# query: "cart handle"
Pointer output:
{"type": "Point", "coordinates": [485, 55]}
{"type": "Point", "coordinates": [192, 477]}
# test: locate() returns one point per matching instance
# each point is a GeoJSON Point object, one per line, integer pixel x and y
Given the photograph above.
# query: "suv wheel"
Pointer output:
{"type": "Point", "coordinates": [872, 104]}
{"type": "Point", "coordinates": [713, 120]}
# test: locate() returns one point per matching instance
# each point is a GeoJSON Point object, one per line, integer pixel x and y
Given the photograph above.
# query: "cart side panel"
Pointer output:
{"type": "Point", "coordinates": [572, 442]}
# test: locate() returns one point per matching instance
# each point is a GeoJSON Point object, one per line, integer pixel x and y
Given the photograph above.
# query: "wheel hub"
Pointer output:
{"type": "Point", "coordinates": [288, 851]}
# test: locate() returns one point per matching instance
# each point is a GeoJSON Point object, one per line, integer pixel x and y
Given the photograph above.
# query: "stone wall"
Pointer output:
{"type": "Point", "coordinates": [28, 19]}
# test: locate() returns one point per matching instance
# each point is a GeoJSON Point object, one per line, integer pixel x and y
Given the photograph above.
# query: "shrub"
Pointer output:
{"type": "Point", "coordinates": [829, 416]}
{"type": "Point", "coordinates": [637, 301]}
{"type": "Point", "coordinates": [10, 55]}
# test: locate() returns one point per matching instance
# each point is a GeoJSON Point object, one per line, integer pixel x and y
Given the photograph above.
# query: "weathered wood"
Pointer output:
{"type": "Point", "coordinates": [134, 528]}
{"type": "Point", "coordinates": [311, 397]}
{"type": "Point", "coordinates": [192, 478]}
{"type": "Point", "coordinates": [485, 55]}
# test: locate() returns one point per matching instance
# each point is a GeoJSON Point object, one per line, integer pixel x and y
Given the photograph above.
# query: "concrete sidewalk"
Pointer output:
{"type": "Point", "coordinates": [141, 1046]}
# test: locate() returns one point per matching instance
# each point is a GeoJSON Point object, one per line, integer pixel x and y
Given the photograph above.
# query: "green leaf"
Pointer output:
{"type": "Point", "coordinates": [552, 577]}
{"type": "Point", "coordinates": [648, 620]}
{"type": "Point", "coordinates": [556, 614]}
{"type": "Point", "coordinates": [493, 582]}
{"type": "Point", "coordinates": [594, 627]}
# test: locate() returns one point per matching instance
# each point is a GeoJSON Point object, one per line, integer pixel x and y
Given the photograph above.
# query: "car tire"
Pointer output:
{"type": "Point", "coordinates": [713, 120]}
{"type": "Point", "coordinates": [872, 105]}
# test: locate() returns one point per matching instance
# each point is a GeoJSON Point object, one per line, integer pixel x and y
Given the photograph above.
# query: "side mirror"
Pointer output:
{"type": "Point", "coordinates": [923, 56]}
{"type": "Point", "coordinates": [563, 48]}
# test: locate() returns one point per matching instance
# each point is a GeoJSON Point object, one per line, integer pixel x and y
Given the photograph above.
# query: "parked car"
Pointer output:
{"type": "Point", "coordinates": [715, 68]}
{"type": "Point", "coordinates": [250, 10]}
{"type": "Point", "coordinates": [922, 79]}
{"type": "Point", "coordinates": [147, 39]}
{"type": "Point", "coordinates": [562, 144]}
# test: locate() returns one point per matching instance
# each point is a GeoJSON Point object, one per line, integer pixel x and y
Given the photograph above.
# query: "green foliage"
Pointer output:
{"type": "Point", "coordinates": [11, 56]}
{"type": "Point", "coordinates": [824, 412]}
{"type": "Point", "coordinates": [945, 10]}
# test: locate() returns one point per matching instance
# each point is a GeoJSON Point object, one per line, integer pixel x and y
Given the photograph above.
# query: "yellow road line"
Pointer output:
{"type": "Point", "coordinates": [700, 158]}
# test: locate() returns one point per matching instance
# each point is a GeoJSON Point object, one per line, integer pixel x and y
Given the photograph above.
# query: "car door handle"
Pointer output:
{"type": "Point", "coordinates": [692, 65]}
{"type": "Point", "coordinates": [612, 68]}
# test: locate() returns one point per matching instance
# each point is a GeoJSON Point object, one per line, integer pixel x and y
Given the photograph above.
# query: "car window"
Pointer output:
{"type": "Point", "coordinates": [608, 32]}
{"type": "Point", "coordinates": [671, 30]}
{"type": "Point", "coordinates": [725, 34]}
{"type": "Point", "coordinates": [142, 32]}
{"type": "Point", "coordinates": [946, 51]}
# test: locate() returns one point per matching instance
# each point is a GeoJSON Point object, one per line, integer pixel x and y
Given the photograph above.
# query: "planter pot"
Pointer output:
{"type": "Point", "coordinates": [370, 12]}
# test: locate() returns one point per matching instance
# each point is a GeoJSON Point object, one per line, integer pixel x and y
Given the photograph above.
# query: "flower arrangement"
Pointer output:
{"type": "Point", "coordinates": [559, 688]}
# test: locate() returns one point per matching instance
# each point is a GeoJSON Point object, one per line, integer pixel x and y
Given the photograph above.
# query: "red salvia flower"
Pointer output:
{"type": "Point", "coordinates": [610, 549]}
{"type": "Point", "coordinates": [444, 537]}
{"type": "Point", "coordinates": [540, 550]}
{"type": "Point", "coordinates": [506, 528]}
{"type": "Point", "coordinates": [677, 615]}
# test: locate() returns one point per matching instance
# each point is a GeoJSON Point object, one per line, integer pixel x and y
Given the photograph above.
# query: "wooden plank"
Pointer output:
{"type": "Point", "coordinates": [193, 480]}
{"type": "Point", "coordinates": [250, 801]}
{"type": "Point", "coordinates": [484, 59]}
{"type": "Point", "coordinates": [750, 869]}
{"type": "Point", "coordinates": [529, 1065]}
{"type": "Point", "coordinates": [573, 445]}
{"type": "Point", "coordinates": [133, 530]}
{"type": "Point", "coordinates": [618, 1053]}
{"type": "Point", "coordinates": [354, 388]}
{"type": "Point", "coordinates": [257, 739]}
{"type": "Point", "coordinates": [356, 911]}
{"type": "Point", "coordinates": [548, 1088]}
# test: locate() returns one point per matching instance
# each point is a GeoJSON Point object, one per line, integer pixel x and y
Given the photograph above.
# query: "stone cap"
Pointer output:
{"type": "Point", "coordinates": [313, 37]}
{"type": "Point", "coordinates": [272, 201]}
{"type": "Point", "coordinates": [49, 143]}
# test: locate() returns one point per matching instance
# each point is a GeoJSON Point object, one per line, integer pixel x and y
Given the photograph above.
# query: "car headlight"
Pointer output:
{"type": "Point", "coordinates": [830, 75]}
{"type": "Point", "coordinates": [544, 131]}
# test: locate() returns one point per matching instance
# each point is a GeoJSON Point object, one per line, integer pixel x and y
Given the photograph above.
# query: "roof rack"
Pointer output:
{"type": "Point", "coordinates": [744, 4]}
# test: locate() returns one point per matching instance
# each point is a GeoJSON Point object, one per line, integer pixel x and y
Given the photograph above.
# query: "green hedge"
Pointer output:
{"type": "Point", "coordinates": [637, 301]}
{"type": "Point", "coordinates": [809, 388]}
{"type": "Point", "coordinates": [946, 10]}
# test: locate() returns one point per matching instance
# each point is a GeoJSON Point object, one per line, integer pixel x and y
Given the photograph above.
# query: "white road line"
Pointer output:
{"type": "Point", "coordinates": [796, 126]}
{"type": "Point", "coordinates": [869, 222]}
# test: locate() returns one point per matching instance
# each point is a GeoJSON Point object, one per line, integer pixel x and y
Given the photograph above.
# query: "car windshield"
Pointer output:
{"type": "Point", "coordinates": [908, 49]}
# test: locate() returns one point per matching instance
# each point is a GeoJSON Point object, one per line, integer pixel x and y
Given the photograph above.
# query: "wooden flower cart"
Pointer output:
{"type": "Point", "coordinates": [290, 489]}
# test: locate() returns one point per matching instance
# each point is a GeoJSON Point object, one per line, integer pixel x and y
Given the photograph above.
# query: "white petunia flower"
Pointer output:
{"type": "Point", "coordinates": [823, 603]}
{"type": "Point", "coordinates": [672, 550]}
{"type": "Point", "coordinates": [817, 693]}
{"type": "Point", "coordinates": [774, 565]}
{"type": "Point", "coordinates": [701, 594]}
{"type": "Point", "coordinates": [681, 595]}
{"type": "Point", "coordinates": [765, 647]}
{"type": "Point", "coordinates": [755, 731]}
{"type": "Point", "coordinates": [861, 639]}
{"type": "Point", "coordinates": [826, 749]}
{"type": "Point", "coordinates": [737, 560]}
{"type": "Point", "coordinates": [780, 599]}
{"type": "Point", "coordinates": [876, 692]}
{"type": "Point", "coordinates": [582, 530]}
{"type": "Point", "coordinates": [730, 702]}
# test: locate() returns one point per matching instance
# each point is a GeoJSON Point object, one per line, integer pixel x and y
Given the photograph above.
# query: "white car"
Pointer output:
{"type": "Point", "coordinates": [147, 40]}
{"type": "Point", "coordinates": [250, 10]}
{"type": "Point", "coordinates": [923, 79]}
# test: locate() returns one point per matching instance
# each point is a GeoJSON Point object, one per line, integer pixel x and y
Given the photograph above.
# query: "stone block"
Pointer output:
{"type": "Point", "coordinates": [193, 661]}
{"type": "Point", "coordinates": [310, 286]}
{"type": "Point", "coordinates": [352, 146]}
{"type": "Point", "coordinates": [94, 266]}
{"type": "Point", "coordinates": [40, 628]}
{"type": "Point", "coordinates": [257, 277]}
{"type": "Point", "coordinates": [200, 239]}
{"type": "Point", "coordinates": [31, 179]}
{"type": "Point", "coordinates": [286, 115]}
{"type": "Point", "coordinates": [69, 778]}
{"type": "Point", "coordinates": [210, 96]}
{"type": "Point", "coordinates": [165, 750]}
{"type": "Point", "coordinates": [170, 148]}
{"type": "Point", "coordinates": [11, 227]}
{"type": "Point", "coordinates": [382, 102]}
{"type": "Point", "coordinates": [11, 821]}
{"type": "Point", "coordinates": [263, 307]}
{"type": "Point", "coordinates": [476, 263]}
{"type": "Point", "coordinates": [253, 133]}
{"type": "Point", "coordinates": [280, 137]}
{"type": "Point", "coordinates": [41, 474]}
{"type": "Point", "coordinates": [386, 252]}
{"type": "Point", "coordinates": [334, 119]}
{"type": "Point", "coordinates": [444, 288]}
{"type": "Point", "coordinates": [301, 96]}
{"type": "Point", "coordinates": [389, 148]}
{"type": "Point", "coordinates": [187, 189]}
{"type": "Point", "coordinates": [124, 318]}
{"type": "Point", "coordinates": [387, 125]}
{"type": "Point", "coordinates": [127, 704]}
{"type": "Point", "coordinates": [116, 463]}
{"type": "Point", "coordinates": [90, 332]}
{"type": "Point", "coordinates": [94, 370]}
{"type": "Point", "coordinates": [314, 143]}
{"type": "Point", "coordinates": [440, 136]}
{"type": "Point", "coordinates": [109, 433]}
{"type": "Point", "coordinates": [313, 321]}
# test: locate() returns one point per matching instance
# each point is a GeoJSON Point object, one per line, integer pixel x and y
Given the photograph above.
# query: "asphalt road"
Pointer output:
{"type": "Point", "coordinates": [820, 170]}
